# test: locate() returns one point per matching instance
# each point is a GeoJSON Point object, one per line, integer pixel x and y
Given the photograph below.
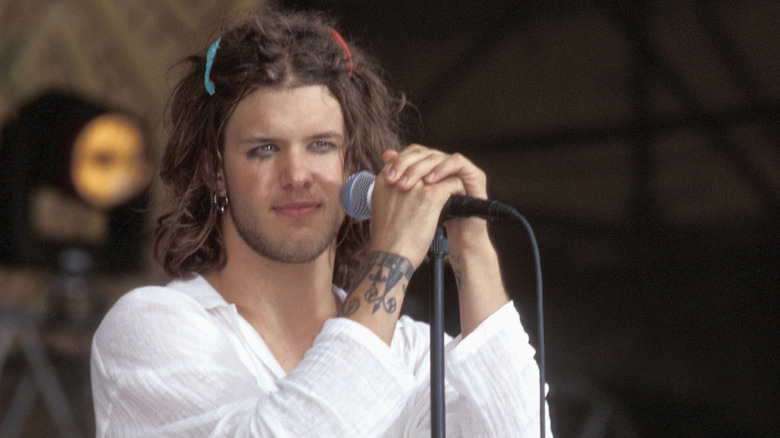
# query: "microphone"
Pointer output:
{"type": "Point", "coordinates": [357, 190]}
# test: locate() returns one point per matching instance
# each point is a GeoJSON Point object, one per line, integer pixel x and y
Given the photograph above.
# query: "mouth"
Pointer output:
{"type": "Point", "coordinates": [297, 209]}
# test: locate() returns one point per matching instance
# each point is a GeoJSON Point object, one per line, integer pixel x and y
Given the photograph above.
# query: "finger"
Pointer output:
{"type": "Point", "coordinates": [388, 156]}
{"type": "Point", "coordinates": [396, 163]}
{"type": "Point", "coordinates": [404, 220]}
{"type": "Point", "coordinates": [474, 178]}
{"type": "Point", "coordinates": [417, 170]}
{"type": "Point", "coordinates": [412, 164]}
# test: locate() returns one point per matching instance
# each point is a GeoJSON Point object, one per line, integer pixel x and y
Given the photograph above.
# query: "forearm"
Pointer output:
{"type": "Point", "coordinates": [480, 288]}
{"type": "Point", "coordinates": [376, 298]}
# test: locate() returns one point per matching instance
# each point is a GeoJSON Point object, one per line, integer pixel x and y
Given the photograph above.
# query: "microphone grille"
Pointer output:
{"type": "Point", "coordinates": [354, 195]}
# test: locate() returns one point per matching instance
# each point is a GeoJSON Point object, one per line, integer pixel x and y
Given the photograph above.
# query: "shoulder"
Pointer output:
{"type": "Point", "coordinates": [155, 317]}
{"type": "Point", "coordinates": [149, 304]}
{"type": "Point", "coordinates": [178, 298]}
{"type": "Point", "coordinates": [148, 296]}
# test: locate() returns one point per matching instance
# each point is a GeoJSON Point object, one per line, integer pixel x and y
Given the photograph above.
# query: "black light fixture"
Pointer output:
{"type": "Point", "coordinates": [73, 196]}
{"type": "Point", "coordinates": [73, 186]}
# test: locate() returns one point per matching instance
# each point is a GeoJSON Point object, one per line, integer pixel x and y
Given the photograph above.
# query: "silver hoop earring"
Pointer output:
{"type": "Point", "coordinates": [221, 203]}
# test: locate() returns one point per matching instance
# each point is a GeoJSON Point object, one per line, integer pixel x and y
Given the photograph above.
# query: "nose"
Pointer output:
{"type": "Point", "coordinates": [296, 171]}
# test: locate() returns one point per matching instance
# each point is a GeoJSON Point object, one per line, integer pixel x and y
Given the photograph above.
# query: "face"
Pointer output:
{"type": "Point", "coordinates": [283, 168]}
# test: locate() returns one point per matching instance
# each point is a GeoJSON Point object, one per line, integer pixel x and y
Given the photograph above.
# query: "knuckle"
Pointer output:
{"type": "Point", "coordinates": [414, 147]}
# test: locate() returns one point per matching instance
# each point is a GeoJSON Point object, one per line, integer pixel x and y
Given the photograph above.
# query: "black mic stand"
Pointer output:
{"type": "Point", "coordinates": [438, 251]}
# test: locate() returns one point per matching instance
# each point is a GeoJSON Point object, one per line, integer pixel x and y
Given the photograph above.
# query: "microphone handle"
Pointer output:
{"type": "Point", "coordinates": [466, 206]}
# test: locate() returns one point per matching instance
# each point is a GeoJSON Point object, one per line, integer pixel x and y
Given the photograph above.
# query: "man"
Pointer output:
{"type": "Point", "coordinates": [257, 337]}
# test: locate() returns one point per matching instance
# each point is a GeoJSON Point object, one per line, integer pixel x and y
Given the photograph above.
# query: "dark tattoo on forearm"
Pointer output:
{"type": "Point", "coordinates": [380, 267]}
{"type": "Point", "coordinates": [350, 305]}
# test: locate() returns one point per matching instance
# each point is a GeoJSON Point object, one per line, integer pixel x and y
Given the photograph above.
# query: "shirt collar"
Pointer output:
{"type": "Point", "coordinates": [200, 290]}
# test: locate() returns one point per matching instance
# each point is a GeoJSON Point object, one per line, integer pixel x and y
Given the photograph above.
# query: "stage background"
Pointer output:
{"type": "Point", "coordinates": [640, 138]}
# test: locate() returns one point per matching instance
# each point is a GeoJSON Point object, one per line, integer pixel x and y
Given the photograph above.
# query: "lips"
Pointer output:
{"type": "Point", "coordinates": [297, 209]}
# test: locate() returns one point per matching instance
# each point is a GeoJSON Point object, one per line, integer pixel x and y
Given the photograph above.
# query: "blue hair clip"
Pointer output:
{"type": "Point", "coordinates": [209, 61]}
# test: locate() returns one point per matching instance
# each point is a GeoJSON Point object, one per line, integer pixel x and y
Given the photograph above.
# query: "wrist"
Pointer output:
{"type": "Point", "coordinates": [376, 298]}
{"type": "Point", "coordinates": [398, 249]}
{"type": "Point", "coordinates": [469, 237]}
{"type": "Point", "coordinates": [384, 277]}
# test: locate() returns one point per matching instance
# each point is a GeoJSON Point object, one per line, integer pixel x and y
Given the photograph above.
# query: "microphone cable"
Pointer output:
{"type": "Point", "coordinates": [515, 215]}
{"type": "Point", "coordinates": [540, 320]}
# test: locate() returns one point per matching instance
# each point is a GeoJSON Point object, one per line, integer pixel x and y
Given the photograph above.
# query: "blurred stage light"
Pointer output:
{"type": "Point", "coordinates": [73, 186]}
{"type": "Point", "coordinates": [108, 164]}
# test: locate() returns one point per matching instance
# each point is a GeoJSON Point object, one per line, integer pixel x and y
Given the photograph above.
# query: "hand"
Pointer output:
{"type": "Point", "coordinates": [428, 178]}
{"type": "Point", "coordinates": [403, 169]}
{"type": "Point", "coordinates": [409, 195]}
{"type": "Point", "coordinates": [431, 167]}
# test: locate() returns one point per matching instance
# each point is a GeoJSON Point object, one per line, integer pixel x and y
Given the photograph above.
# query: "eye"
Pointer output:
{"type": "Point", "coordinates": [263, 151]}
{"type": "Point", "coordinates": [323, 146]}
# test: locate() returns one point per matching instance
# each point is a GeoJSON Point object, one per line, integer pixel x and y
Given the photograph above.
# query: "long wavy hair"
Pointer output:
{"type": "Point", "coordinates": [267, 49]}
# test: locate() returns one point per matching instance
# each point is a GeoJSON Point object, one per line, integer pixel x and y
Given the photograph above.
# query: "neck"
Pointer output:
{"type": "Point", "coordinates": [286, 303]}
{"type": "Point", "coordinates": [275, 291]}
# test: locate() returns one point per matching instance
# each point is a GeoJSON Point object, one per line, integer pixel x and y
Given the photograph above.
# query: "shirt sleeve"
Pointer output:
{"type": "Point", "coordinates": [497, 379]}
{"type": "Point", "coordinates": [160, 369]}
{"type": "Point", "coordinates": [491, 384]}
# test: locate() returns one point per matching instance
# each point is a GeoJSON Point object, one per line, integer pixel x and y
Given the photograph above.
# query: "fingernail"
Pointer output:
{"type": "Point", "coordinates": [430, 176]}
{"type": "Point", "coordinates": [391, 173]}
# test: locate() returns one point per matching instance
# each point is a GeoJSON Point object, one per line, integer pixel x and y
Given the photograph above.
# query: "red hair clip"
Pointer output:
{"type": "Point", "coordinates": [344, 47]}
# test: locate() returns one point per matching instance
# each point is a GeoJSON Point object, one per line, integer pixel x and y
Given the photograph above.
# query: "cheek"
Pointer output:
{"type": "Point", "coordinates": [332, 174]}
{"type": "Point", "coordinates": [257, 183]}
{"type": "Point", "coordinates": [244, 180]}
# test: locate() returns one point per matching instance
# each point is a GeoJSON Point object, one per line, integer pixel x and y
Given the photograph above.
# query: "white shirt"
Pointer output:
{"type": "Point", "coordinates": [180, 361]}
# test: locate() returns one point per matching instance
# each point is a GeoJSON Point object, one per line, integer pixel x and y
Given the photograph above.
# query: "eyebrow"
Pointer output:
{"type": "Point", "coordinates": [330, 135]}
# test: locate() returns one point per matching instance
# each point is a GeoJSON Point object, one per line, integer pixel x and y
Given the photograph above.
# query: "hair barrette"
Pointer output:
{"type": "Point", "coordinates": [344, 47]}
{"type": "Point", "coordinates": [209, 84]}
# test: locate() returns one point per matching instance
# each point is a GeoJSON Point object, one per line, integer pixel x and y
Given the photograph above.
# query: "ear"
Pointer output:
{"type": "Point", "coordinates": [221, 188]}
{"type": "Point", "coordinates": [215, 180]}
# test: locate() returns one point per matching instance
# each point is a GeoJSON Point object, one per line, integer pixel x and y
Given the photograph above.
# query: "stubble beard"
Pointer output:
{"type": "Point", "coordinates": [278, 248]}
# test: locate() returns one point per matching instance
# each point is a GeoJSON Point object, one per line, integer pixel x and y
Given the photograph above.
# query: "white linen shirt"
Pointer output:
{"type": "Point", "coordinates": [180, 361]}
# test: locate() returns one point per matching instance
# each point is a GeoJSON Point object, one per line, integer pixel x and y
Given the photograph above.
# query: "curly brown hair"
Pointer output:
{"type": "Point", "coordinates": [270, 48]}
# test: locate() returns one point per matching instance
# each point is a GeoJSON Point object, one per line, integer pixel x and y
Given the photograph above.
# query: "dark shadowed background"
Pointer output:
{"type": "Point", "coordinates": [641, 140]}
